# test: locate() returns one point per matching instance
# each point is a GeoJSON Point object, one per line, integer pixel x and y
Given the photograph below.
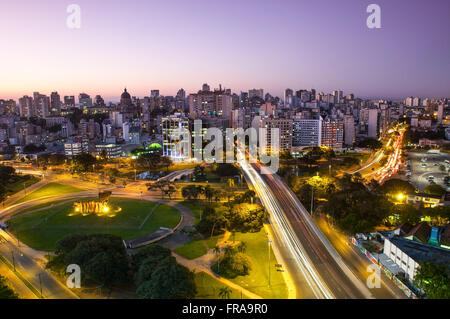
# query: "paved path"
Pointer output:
{"type": "Point", "coordinates": [198, 265]}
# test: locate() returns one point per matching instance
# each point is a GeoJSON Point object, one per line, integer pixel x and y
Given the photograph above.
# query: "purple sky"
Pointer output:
{"type": "Point", "coordinates": [244, 44]}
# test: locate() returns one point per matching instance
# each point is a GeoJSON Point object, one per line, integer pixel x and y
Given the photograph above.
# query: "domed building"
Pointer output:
{"type": "Point", "coordinates": [126, 103]}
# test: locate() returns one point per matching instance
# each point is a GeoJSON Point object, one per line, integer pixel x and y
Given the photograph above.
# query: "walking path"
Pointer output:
{"type": "Point", "coordinates": [198, 265]}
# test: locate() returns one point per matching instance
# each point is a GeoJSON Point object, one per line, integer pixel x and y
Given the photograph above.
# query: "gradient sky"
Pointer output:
{"type": "Point", "coordinates": [241, 44]}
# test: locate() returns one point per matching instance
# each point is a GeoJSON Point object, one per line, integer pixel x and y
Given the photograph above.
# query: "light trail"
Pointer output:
{"type": "Point", "coordinates": [284, 230]}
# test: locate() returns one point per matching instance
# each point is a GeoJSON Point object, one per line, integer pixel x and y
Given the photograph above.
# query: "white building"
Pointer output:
{"type": "Point", "coordinates": [408, 253]}
{"type": "Point", "coordinates": [307, 132]}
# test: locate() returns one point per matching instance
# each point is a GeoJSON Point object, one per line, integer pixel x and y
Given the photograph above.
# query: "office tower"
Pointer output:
{"type": "Point", "coordinates": [85, 101]}
{"type": "Point", "coordinates": [349, 130]}
{"type": "Point", "coordinates": [416, 102]}
{"type": "Point", "coordinates": [181, 94]}
{"type": "Point", "coordinates": [256, 93]}
{"type": "Point", "coordinates": [285, 133]}
{"type": "Point", "coordinates": [307, 132]}
{"type": "Point", "coordinates": [409, 101]}
{"type": "Point", "coordinates": [175, 124]}
{"type": "Point", "coordinates": [333, 134]}
{"type": "Point", "coordinates": [288, 97]}
{"type": "Point", "coordinates": [55, 104]}
{"type": "Point", "coordinates": [41, 105]}
{"type": "Point", "coordinates": [210, 104]}
{"type": "Point", "coordinates": [440, 113]}
{"type": "Point", "coordinates": [244, 100]}
{"type": "Point", "coordinates": [69, 101]}
{"type": "Point", "coordinates": [373, 123]}
{"type": "Point", "coordinates": [154, 93]}
{"type": "Point", "coordinates": [26, 107]}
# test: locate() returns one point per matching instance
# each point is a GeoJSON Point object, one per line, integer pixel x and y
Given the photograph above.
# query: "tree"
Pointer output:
{"type": "Point", "coordinates": [149, 265]}
{"type": "Point", "coordinates": [395, 186]}
{"type": "Point", "coordinates": [169, 281]}
{"type": "Point", "coordinates": [152, 250]}
{"type": "Point", "coordinates": [102, 257]}
{"type": "Point", "coordinates": [437, 190]}
{"type": "Point", "coordinates": [407, 214]}
{"type": "Point", "coordinates": [5, 291]}
{"type": "Point", "coordinates": [191, 192]}
{"type": "Point", "coordinates": [233, 264]}
{"type": "Point", "coordinates": [225, 293]}
{"type": "Point", "coordinates": [433, 279]}
{"type": "Point", "coordinates": [107, 268]}
{"type": "Point", "coordinates": [83, 163]}
{"type": "Point", "coordinates": [372, 143]}
{"type": "Point", "coordinates": [226, 170]}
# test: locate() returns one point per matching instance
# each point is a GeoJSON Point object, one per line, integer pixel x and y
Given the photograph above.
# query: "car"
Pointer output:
{"type": "Point", "coordinates": [424, 165]}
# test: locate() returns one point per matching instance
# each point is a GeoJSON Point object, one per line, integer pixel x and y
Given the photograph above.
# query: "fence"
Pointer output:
{"type": "Point", "coordinates": [374, 259]}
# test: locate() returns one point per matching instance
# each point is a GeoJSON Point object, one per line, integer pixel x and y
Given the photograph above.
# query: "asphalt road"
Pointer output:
{"type": "Point", "coordinates": [419, 174]}
{"type": "Point", "coordinates": [331, 271]}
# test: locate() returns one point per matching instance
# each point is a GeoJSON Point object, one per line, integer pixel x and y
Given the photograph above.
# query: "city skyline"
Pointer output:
{"type": "Point", "coordinates": [274, 46]}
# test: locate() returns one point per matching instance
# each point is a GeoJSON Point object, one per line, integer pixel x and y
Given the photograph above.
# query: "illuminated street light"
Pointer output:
{"type": "Point", "coordinates": [400, 197]}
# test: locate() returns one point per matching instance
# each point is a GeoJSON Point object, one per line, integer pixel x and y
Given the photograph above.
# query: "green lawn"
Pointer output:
{"type": "Point", "coordinates": [29, 209]}
{"type": "Point", "coordinates": [41, 230]}
{"type": "Point", "coordinates": [193, 249]}
{"type": "Point", "coordinates": [197, 247]}
{"type": "Point", "coordinates": [208, 288]}
{"type": "Point", "coordinates": [257, 281]}
{"type": "Point", "coordinates": [51, 189]}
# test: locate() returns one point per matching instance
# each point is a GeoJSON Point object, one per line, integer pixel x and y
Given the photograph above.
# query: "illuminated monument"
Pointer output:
{"type": "Point", "coordinates": [98, 207]}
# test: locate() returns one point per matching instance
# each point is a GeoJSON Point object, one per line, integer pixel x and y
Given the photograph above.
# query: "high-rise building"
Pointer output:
{"type": "Point", "coordinates": [69, 101]}
{"type": "Point", "coordinates": [85, 101]}
{"type": "Point", "coordinates": [41, 104]}
{"type": "Point", "coordinates": [409, 101]}
{"type": "Point", "coordinates": [210, 104]}
{"type": "Point", "coordinates": [26, 107]}
{"type": "Point", "coordinates": [333, 134]}
{"type": "Point", "coordinates": [349, 130]}
{"type": "Point", "coordinates": [288, 97]}
{"type": "Point", "coordinates": [55, 104]}
{"type": "Point", "coordinates": [285, 136]}
{"type": "Point", "coordinates": [440, 113]}
{"type": "Point", "coordinates": [373, 123]}
{"type": "Point", "coordinates": [307, 132]}
{"type": "Point", "coordinates": [175, 124]}
{"type": "Point", "coordinates": [256, 93]}
{"type": "Point", "coordinates": [154, 93]}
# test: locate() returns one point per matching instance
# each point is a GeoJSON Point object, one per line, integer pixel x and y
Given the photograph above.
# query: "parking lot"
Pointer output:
{"type": "Point", "coordinates": [425, 165]}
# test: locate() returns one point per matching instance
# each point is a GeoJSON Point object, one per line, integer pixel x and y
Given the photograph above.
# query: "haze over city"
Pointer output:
{"type": "Point", "coordinates": [166, 45]}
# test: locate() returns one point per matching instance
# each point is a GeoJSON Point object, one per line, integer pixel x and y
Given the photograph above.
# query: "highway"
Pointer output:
{"type": "Point", "coordinates": [308, 251]}
{"type": "Point", "coordinates": [393, 163]}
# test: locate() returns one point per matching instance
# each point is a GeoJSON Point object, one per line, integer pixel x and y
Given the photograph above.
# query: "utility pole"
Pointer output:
{"type": "Point", "coordinates": [14, 261]}
{"type": "Point", "coordinates": [268, 245]}
{"type": "Point", "coordinates": [40, 284]}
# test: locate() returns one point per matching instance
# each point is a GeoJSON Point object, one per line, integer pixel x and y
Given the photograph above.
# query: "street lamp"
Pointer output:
{"type": "Point", "coordinates": [268, 246]}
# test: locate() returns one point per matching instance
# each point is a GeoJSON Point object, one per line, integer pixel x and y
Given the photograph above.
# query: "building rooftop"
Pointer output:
{"type": "Point", "coordinates": [420, 251]}
{"type": "Point", "coordinates": [420, 232]}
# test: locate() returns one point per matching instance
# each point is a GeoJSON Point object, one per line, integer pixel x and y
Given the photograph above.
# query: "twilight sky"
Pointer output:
{"type": "Point", "coordinates": [241, 44]}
